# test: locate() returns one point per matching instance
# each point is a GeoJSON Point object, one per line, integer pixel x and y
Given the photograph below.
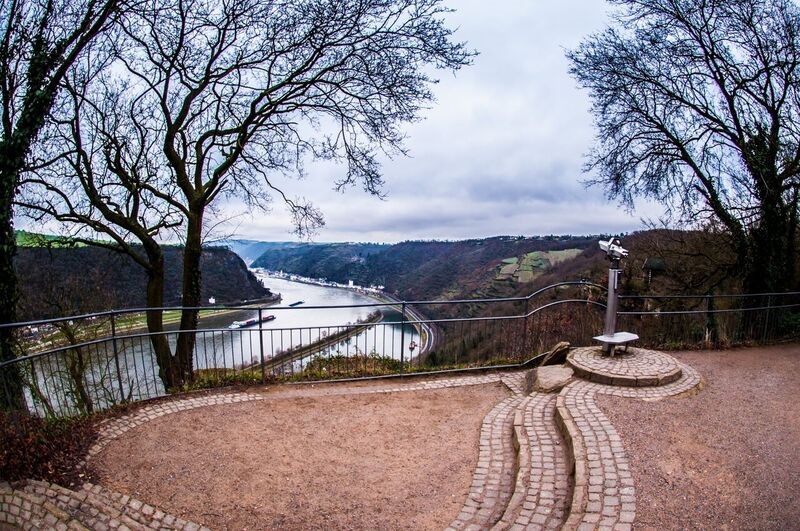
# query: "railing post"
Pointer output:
{"type": "Point", "coordinates": [766, 320]}
{"type": "Point", "coordinates": [116, 355]}
{"type": "Point", "coordinates": [7, 404]}
{"type": "Point", "coordinates": [402, 336]}
{"type": "Point", "coordinates": [261, 345]}
{"type": "Point", "coordinates": [711, 319]}
{"type": "Point", "coordinates": [524, 355]}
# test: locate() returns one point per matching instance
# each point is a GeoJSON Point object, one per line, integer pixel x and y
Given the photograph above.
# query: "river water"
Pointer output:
{"type": "Point", "coordinates": [313, 295]}
{"type": "Point", "coordinates": [324, 311]}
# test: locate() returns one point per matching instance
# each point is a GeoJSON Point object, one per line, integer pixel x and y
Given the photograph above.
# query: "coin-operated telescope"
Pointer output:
{"type": "Point", "coordinates": [614, 250]}
{"type": "Point", "coordinates": [610, 339]}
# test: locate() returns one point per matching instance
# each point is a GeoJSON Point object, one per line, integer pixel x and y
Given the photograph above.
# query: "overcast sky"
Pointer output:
{"type": "Point", "coordinates": [500, 152]}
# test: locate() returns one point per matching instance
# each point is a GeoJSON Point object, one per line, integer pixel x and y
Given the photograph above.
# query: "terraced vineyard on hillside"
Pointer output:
{"type": "Point", "coordinates": [532, 264]}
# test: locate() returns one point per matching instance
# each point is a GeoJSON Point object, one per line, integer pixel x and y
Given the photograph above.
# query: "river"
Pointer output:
{"type": "Point", "coordinates": [325, 311]}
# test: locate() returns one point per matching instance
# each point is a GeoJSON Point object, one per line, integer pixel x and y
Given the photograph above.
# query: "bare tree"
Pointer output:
{"type": "Point", "coordinates": [39, 41]}
{"type": "Point", "coordinates": [237, 94]}
{"type": "Point", "coordinates": [697, 105]}
{"type": "Point", "coordinates": [95, 174]}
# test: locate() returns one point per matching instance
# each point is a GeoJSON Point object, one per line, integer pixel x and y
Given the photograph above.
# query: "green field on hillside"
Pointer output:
{"type": "Point", "coordinates": [34, 239]}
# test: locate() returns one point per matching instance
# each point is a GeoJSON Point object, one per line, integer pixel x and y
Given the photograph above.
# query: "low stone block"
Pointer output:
{"type": "Point", "coordinates": [552, 378]}
{"type": "Point", "coordinates": [647, 381]}
{"type": "Point", "coordinates": [623, 381]}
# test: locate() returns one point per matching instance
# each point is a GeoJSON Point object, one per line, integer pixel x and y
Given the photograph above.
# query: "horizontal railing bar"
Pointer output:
{"type": "Point", "coordinates": [391, 301]}
{"type": "Point", "coordinates": [198, 331]}
{"type": "Point", "coordinates": [411, 322]}
{"type": "Point", "coordinates": [707, 296]}
{"type": "Point", "coordinates": [510, 299]}
{"type": "Point", "coordinates": [727, 310]}
{"type": "Point", "coordinates": [256, 329]}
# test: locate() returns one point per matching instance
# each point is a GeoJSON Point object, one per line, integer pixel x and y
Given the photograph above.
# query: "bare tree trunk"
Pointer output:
{"type": "Point", "coordinates": [792, 265]}
{"type": "Point", "coordinates": [192, 253]}
{"type": "Point", "coordinates": [769, 261]}
{"type": "Point", "coordinates": [76, 367]}
{"type": "Point", "coordinates": [155, 320]}
{"type": "Point", "coordinates": [11, 393]}
{"type": "Point", "coordinates": [44, 61]}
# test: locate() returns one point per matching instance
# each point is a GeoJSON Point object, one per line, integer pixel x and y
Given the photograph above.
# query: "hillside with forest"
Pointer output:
{"type": "Point", "coordinates": [660, 262]}
{"type": "Point", "coordinates": [60, 280]}
{"type": "Point", "coordinates": [418, 270]}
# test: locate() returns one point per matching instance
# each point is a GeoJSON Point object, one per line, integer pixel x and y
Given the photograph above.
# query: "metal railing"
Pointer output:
{"type": "Point", "coordinates": [91, 362]}
{"type": "Point", "coordinates": [711, 320]}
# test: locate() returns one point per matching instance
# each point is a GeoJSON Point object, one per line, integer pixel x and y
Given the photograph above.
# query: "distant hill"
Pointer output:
{"type": "Point", "coordinates": [250, 250]}
{"type": "Point", "coordinates": [34, 239]}
{"type": "Point", "coordinates": [58, 281]}
{"type": "Point", "coordinates": [431, 269]}
{"type": "Point", "coordinates": [339, 262]}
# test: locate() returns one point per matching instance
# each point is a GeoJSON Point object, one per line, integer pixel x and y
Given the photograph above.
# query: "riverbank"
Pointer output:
{"type": "Point", "coordinates": [293, 355]}
{"type": "Point", "coordinates": [100, 327]}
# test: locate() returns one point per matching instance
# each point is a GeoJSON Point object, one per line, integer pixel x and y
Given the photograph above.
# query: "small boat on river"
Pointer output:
{"type": "Point", "coordinates": [296, 303]}
{"type": "Point", "coordinates": [250, 322]}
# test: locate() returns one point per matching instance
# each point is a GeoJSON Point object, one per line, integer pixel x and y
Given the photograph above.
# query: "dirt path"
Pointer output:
{"type": "Point", "coordinates": [727, 457]}
{"type": "Point", "coordinates": [379, 461]}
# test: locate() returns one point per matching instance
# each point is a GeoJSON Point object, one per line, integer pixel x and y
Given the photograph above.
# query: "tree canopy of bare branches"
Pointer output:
{"type": "Point", "coordinates": [207, 98]}
{"type": "Point", "coordinates": [697, 105]}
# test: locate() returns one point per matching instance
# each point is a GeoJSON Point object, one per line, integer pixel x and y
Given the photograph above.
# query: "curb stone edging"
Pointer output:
{"type": "Point", "coordinates": [637, 367]}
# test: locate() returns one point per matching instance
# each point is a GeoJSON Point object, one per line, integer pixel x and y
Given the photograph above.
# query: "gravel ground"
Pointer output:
{"type": "Point", "coordinates": [378, 461]}
{"type": "Point", "coordinates": [727, 457]}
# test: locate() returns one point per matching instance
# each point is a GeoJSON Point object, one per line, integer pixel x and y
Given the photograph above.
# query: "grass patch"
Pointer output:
{"type": "Point", "coordinates": [213, 378]}
{"type": "Point", "coordinates": [340, 366]}
{"type": "Point", "coordinates": [508, 270]}
{"type": "Point", "coordinates": [526, 276]}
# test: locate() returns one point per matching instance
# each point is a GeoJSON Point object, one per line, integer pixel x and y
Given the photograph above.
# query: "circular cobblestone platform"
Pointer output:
{"type": "Point", "coordinates": [635, 368]}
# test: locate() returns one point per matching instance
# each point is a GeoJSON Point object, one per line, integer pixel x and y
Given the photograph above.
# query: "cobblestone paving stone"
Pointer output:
{"type": "Point", "coordinates": [40, 505]}
{"type": "Point", "coordinates": [494, 475]}
{"type": "Point", "coordinates": [542, 495]}
{"type": "Point", "coordinates": [636, 367]}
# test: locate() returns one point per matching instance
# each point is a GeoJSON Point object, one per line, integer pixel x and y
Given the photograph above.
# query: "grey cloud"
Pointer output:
{"type": "Point", "coordinates": [501, 151]}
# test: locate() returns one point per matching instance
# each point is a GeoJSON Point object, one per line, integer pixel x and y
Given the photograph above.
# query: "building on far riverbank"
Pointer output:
{"type": "Point", "coordinates": [371, 290]}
